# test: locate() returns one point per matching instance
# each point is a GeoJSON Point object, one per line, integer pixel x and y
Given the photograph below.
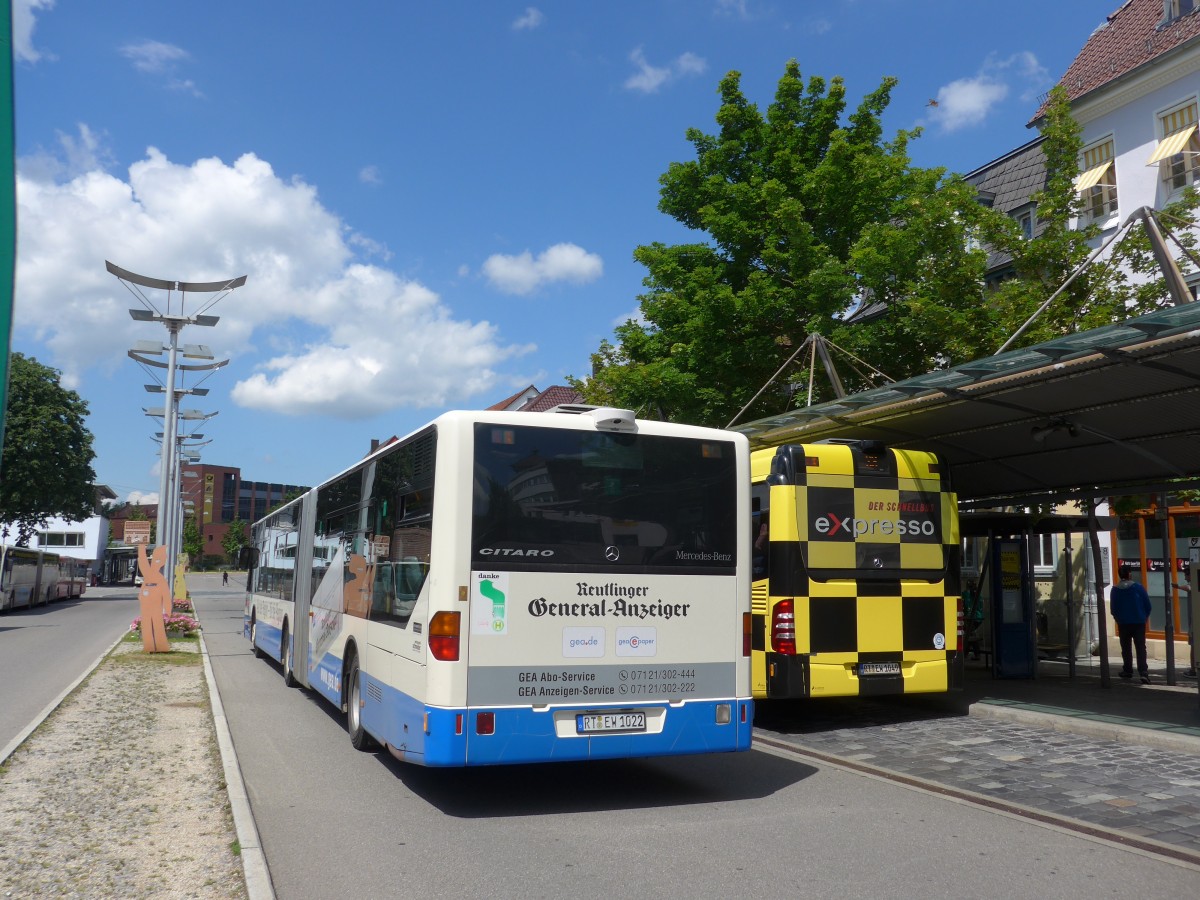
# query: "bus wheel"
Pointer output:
{"type": "Point", "coordinates": [258, 654]}
{"type": "Point", "coordinates": [359, 738]}
{"type": "Point", "coordinates": [289, 676]}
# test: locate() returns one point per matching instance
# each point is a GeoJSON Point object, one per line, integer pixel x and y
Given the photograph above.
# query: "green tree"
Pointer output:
{"type": "Point", "coordinates": [1126, 283]}
{"type": "Point", "coordinates": [806, 213]}
{"type": "Point", "coordinates": [193, 540]}
{"type": "Point", "coordinates": [235, 539]}
{"type": "Point", "coordinates": [47, 464]}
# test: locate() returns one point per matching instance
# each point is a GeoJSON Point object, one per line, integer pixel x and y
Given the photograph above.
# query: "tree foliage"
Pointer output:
{"type": "Point", "coordinates": [805, 213]}
{"type": "Point", "coordinates": [234, 540]}
{"type": "Point", "coordinates": [193, 539]}
{"type": "Point", "coordinates": [1124, 282]}
{"type": "Point", "coordinates": [47, 465]}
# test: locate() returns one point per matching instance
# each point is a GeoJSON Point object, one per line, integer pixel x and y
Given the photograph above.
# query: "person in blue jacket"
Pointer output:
{"type": "Point", "coordinates": [1130, 607]}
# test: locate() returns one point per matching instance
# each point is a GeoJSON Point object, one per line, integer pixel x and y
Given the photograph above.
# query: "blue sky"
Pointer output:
{"type": "Point", "coordinates": [435, 204]}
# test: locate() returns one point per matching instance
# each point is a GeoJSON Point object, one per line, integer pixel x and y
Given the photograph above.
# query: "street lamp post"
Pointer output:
{"type": "Point", "coordinates": [174, 321]}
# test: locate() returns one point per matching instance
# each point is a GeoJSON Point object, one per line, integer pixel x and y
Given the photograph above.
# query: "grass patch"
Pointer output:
{"type": "Point", "coordinates": [142, 658]}
{"type": "Point", "coordinates": [235, 847]}
{"type": "Point", "coordinates": [135, 637]}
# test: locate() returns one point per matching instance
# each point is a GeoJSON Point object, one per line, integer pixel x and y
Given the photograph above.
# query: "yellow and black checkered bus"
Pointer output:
{"type": "Point", "coordinates": [856, 572]}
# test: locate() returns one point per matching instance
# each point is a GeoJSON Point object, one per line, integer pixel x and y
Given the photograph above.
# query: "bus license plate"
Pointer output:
{"type": "Point", "coordinates": [879, 668]}
{"type": "Point", "coordinates": [599, 723]}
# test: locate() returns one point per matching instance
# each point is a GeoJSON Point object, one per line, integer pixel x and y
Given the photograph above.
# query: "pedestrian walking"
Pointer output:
{"type": "Point", "coordinates": [1130, 607]}
{"type": "Point", "coordinates": [224, 578]}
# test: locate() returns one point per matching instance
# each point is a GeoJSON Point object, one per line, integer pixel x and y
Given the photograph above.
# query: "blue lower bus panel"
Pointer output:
{"type": "Point", "coordinates": [522, 735]}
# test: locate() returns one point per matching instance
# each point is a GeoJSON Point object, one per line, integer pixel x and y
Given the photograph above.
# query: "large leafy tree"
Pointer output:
{"type": "Point", "coordinates": [47, 465]}
{"type": "Point", "coordinates": [804, 213]}
{"type": "Point", "coordinates": [235, 539]}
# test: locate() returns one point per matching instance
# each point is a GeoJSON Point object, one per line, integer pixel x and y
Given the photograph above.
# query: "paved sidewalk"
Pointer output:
{"type": "Point", "coordinates": [1125, 760]}
{"type": "Point", "coordinates": [1155, 715]}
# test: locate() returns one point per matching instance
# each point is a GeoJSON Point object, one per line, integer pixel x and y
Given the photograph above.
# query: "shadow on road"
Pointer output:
{"type": "Point", "coordinates": [573, 787]}
{"type": "Point", "coordinates": [831, 714]}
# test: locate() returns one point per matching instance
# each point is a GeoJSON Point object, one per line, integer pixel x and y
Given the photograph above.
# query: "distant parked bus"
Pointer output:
{"type": "Point", "coordinates": [71, 578]}
{"type": "Point", "coordinates": [28, 577]}
{"type": "Point", "coordinates": [520, 587]}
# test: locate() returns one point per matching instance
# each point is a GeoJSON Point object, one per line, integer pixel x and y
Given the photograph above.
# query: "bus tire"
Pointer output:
{"type": "Point", "coordinates": [359, 739]}
{"type": "Point", "coordinates": [285, 643]}
{"type": "Point", "coordinates": [258, 654]}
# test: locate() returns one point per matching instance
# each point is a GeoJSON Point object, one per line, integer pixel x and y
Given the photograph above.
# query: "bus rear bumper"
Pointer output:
{"type": "Point", "coordinates": [531, 736]}
{"type": "Point", "coordinates": [801, 676]}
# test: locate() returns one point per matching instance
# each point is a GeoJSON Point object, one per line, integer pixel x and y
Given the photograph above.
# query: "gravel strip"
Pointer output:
{"type": "Point", "coordinates": [120, 792]}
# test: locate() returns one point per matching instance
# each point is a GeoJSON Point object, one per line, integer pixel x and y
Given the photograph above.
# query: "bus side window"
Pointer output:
{"type": "Point", "coordinates": [760, 532]}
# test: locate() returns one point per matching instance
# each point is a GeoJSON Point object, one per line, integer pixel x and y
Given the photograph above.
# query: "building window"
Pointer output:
{"type": "Point", "coordinates": [1098, 180]}
{"type": "Point", "coordinates": [1025, 220]}
{"type": "Point", "coordinates": [1173, 9]}
{"type": "Point", "coordinates": [1042, 552]}
{"type": "Point", "coordinates": [1178, 152]}
{"type": "Point", "coordinates": [61, 539]}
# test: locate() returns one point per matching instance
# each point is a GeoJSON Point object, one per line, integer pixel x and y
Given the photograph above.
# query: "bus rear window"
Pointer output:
{"type": "Point", "coordinates": [549, 497]}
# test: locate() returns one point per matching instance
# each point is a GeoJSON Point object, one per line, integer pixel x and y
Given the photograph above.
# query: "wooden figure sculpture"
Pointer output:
{"type": "Point", "coordinates": [154, 599]}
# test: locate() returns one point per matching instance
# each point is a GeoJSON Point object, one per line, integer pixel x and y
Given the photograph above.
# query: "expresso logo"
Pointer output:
{"type": "Point", "coordinates": [830, 524]}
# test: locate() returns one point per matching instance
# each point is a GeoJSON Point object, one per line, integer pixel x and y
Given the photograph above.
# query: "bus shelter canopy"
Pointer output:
{"type": "Point", "coordinates": [1111, 411]}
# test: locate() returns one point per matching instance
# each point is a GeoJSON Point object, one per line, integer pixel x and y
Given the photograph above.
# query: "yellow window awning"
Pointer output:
{"type": "Point", "coordinates": [1171, 144]}
{"type": "Point", "coordinates": [1092, 176]}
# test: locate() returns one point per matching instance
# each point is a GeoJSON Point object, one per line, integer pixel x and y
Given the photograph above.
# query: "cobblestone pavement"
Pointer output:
{"type": "Point", "coordinates": [1119, 789]}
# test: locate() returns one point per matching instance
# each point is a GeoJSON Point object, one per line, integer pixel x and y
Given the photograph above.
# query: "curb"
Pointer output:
{"type": "Point", "coordinates": [254, 860]}
{"type": "Point", "coordinates": [50, 707]}
{"type": "Point", "coordinates": [1156, 735]}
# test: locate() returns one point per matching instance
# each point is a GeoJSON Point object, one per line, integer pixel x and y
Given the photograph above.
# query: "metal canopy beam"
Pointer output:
{"type": "Point", "coordinates": [191, 287]}
{"type": "Point", "coordinates": [1103, 412]}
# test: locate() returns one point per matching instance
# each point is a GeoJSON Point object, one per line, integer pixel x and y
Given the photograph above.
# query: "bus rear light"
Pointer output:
{"type": "Point", "coordinates": [458, 724]}
{"type": "Point", "coordinates": [724, 713]}
{"type": "Point", "coordinates": [485, 723]}
{"type": "Point", "coordinates": [747, 629]}
{"type": "Point", "coordinates": [443, 636]}
{"type": "Point", "coordinates": [743, 706]}
{"type": "Point", "coordinates": [783, 628]}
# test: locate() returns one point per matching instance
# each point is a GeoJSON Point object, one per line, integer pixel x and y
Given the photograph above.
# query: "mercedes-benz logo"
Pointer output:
{"type": "Point", "coordinates": [612, 554]}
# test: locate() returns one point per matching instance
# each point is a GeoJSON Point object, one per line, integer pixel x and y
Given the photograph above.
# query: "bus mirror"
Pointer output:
{"type": "Point", "coordinates": [248, 558]}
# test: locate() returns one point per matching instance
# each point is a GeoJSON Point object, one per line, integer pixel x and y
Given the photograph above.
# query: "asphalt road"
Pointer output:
{"type": "Point", "coordinates": [334, 821]}
{"type": "Point", "coordinates": [44, 650]}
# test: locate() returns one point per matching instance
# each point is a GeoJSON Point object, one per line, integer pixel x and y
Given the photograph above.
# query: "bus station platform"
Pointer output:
{"type": "Point", "coordinates": [1155, 715]}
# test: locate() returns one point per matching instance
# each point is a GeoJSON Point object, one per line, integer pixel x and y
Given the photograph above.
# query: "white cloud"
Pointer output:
{"type": "Point", "coordinates": [153, 56]}
{"type": "Point", "coordinates": [157, 58]}
{"type": "Point", "coordinates": [344, 338]}
{"type": "Point", "coordinates": [635, 314]}
{"type": "Point", "coordinates": [968, 101]}
{"type": "Point", "coordinates": [142, 498]}
{"type": "Point", "coordinates": [75, 155]}
{"type": "Point", "coordinates": [370, 175]}
{"type": "Point", "coordinates": [530, 19]}
{"type": "Point", "coordinates": [524, 273]}
{"type": "Point", "coordinates": [24, 20]}
{"type": "Point", "coordinates": [648, 79]}
{"type": "Point", "coordinates": [733, 7]}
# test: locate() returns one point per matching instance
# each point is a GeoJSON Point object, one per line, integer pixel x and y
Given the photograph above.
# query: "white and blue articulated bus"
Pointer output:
{"type": "Point", "coordinates": [505, 587]}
